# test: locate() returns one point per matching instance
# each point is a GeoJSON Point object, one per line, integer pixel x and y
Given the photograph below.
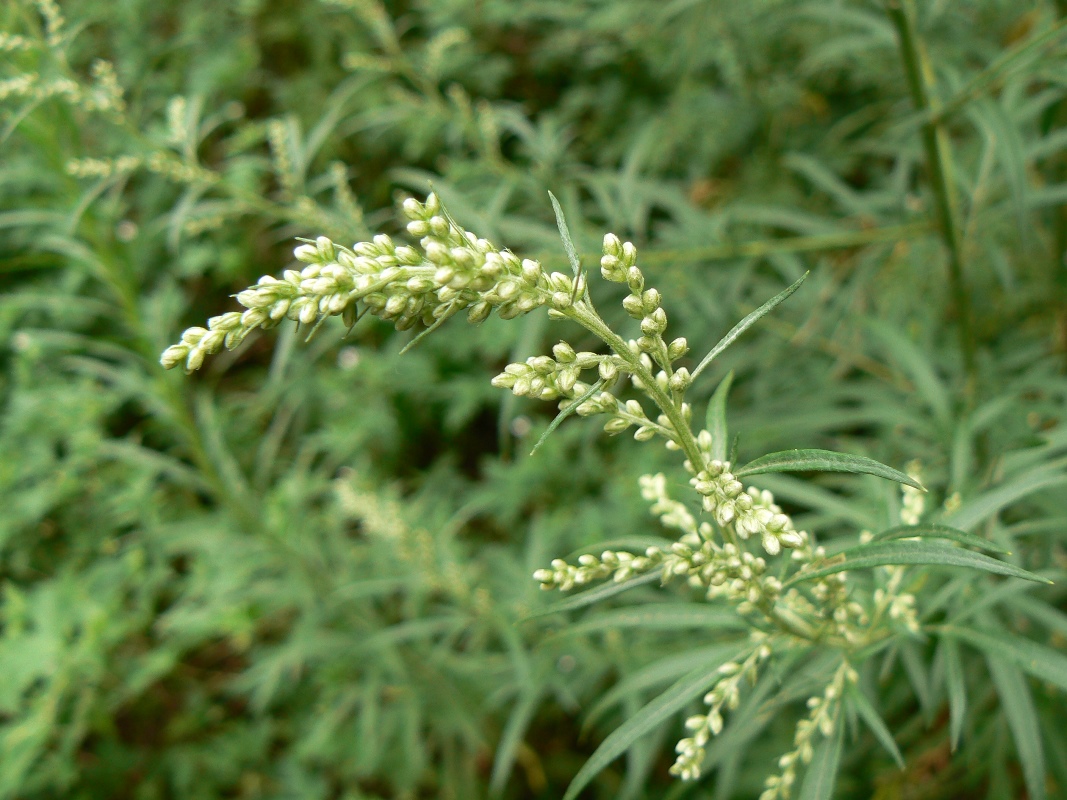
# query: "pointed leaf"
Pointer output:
{"type": "Point", "coordinates": [823, 461]}
{"type": "Point", "coordinates": [661, 617]}
{"type": "Point", "coordinates": [927, 530]}
{"type": "Point", "coordinates": [1042, 662]}
{"type": "Point", "coordinates": [715, 423]}
{"type": "Point", "coordinates": [934, 554]}
{"type": "Point", "coordinates": [858, 700]}
{"type": "Point", "coordinates": [565, 234]}
{"type": "Point", "coordinates": [562, 415]}
{"type": "Point", "coordinates": [518, 722]}
{"type": "Point", "coordinates": [1018, 705]}
{"type": "Point", "coordinates": [747, 323]}
{"type": "Point", "coordinates": [957, 689]}
{"type": "Point", "coordinates": [821, 774]}
{"type": "Point", "coordinates": [670, 702]}
{"type": "Point", "coordinates": [602, 592]}
{"type": "Point", "coordinates": [658, 673]}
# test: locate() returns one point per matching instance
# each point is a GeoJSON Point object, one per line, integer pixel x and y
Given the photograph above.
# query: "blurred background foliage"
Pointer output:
{"type": "Point", "coordinates": [303, 573]}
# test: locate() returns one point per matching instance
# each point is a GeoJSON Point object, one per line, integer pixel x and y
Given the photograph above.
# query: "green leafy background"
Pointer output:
{"type": "Point", "coordinates": [305, 572]}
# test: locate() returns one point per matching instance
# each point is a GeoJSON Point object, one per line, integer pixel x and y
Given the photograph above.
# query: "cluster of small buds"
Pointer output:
{"type": "Point", "coordinates": [616, 564]}
{"type": "Point", "coordinates": [455, 270]}
{"type": "Point", "coordinates": [102, 94]}
{"type": "Point", "coordinates": [13, 42]}
{"type": "Point", "coordinates": [103, 167]}
{"type": "Point", "coordinates": [739, 577]}
{"type": "Point", "coordinates": [469, 271]}
{"type": "Point", "coordinates": [913, 500]}
{"type": "Point", "coordinates": [671, 513]}
{"type": "Point", "coordinates": [619, 265]}
{"type": "Point", "coordinates": [726, 694]}
{"type": "Point", "coordinates": [548, 377]}
{"type": "Point", "coordinates": [822, 718]}
{"type": "Point", "coordinates": [750, 512]}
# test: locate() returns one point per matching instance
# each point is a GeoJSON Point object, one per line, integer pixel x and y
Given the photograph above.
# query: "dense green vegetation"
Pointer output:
{"type": "Point", "coordinates": [305, 570]}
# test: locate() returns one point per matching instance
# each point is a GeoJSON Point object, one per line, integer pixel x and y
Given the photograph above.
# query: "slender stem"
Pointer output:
{"type": "Point", "coordinates": [939, 164]}
{"type": "Point", "coordinates": [585, 315]}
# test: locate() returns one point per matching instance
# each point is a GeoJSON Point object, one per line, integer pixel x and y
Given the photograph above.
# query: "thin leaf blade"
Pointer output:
{"type": "Point", "coordinates": [747, 323]}
{"type": "Point", "coordinates": [600, 593]}
{"type": "Point", "coordinates": [881, 554]}
{"type": "Point", "coordinates": [928, 530]}
{"type": "Point", "coordinates": [565, 235]}
{"type": "Point", "coordinates": [821, 774]}
{"type": "Point", "coordinates": [858, 700]}
{"type": "Point", "coordinates": [644, 721]}
{"type": "Point", "coordinates": [715, 422]}
{"type": "Point", "coordinates": [823, 461]}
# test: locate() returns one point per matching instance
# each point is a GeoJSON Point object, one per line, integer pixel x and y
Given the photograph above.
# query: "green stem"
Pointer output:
{"type": "Point", "coordinates": [585, 315]}
{"type": "Point", "coordinates": [939, 164]}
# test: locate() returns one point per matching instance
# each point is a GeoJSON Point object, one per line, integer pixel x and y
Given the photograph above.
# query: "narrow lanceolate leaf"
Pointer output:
{"type": "Point", "coordinates": [822, 461]}
{"type": "Point", "coordinates": [858, 700]}
{"type": "Point", "coordinates": [602, 592]}
{"type": "Point", "coordinates": [821, 774]}
{"type": "Point", "coordinates": [562, 415]}
{"type": "Point", "coordinates": [661, 617]}
{"type": "Point", "coordinates": [933, 554]}
{"type": "Point", "coordinates": [1042, 662]}
{"type": "Point", "coordinates": [747, 323]}
{"type": "Point", "coordinates": [715, 423]}
{"type": "Point", "coordinates": [658, 673]}
{"type": "Point", "coordinates": [927, 530]}
{"type": "Point", "coordinates": [644, 721]}
{"type": "Point", "coordinates": [957, 689]}
{"type": "Point", "coordinates": [518, 722]}
{"type": "Point", "coordinates": [565, 235]}
{"type": "Point", "coordinates": [1018, 705]}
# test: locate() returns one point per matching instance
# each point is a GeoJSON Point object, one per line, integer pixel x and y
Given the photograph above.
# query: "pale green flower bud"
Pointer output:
{"type": "Point", "coordinates": [174, 355]}
{"type": "Point", "coordinates": [650, 300]}
{"type": "Point", "coordinates": [564, 353]}
{"type": "Point", "coordinates": [612, 245]}
{"type": "Point", "coordinates": [680, 380]}
{"type": "Point", "coordinates": [633, 306]}
{"type": "Point", "coordinates": [617, 425]}
{"type": "Point", "coordinates": [635, 280]}
{"type": "Point", "coordinates": [678, 348]}
{"type": "Point", "coordinates": [479, 312]}
{"type": "Point", "coordinates": [439, 225]}
{"type": "Point", "coordinates": [413, 209]}
{"type": "Point", "coordinates": [542, 364]}
{"type": "Point", "coordinates": [531, 271]}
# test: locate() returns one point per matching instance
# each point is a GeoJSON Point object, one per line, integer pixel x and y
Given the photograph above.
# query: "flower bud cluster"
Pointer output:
{"type": "Point", "coordinates": [750, 512]}
{"type": "Point", "coordinates": [725, 694]}
{"type": "Point", "coordinates": [823, 719]}
{"type": "Point", "coordinates": [616, 564]}
{"type": "Point", "coordinates": [455, 270]}
{"type": "Point", "coordinates": [549, 377]}
{"type": "Point", "coordinates": [619, 265]}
